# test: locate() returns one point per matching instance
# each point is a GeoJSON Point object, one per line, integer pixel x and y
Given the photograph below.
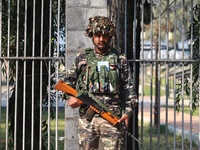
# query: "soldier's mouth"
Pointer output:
{"type": "Point", "coordinates": [101, 43]}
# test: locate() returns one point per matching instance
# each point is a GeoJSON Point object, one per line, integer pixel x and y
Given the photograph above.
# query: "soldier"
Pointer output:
{"type": "Point", "coordinates": [105, 73]}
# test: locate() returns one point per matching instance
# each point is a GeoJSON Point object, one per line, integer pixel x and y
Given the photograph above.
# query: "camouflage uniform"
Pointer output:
{"type": "Point", "coordinates": [118, 96]}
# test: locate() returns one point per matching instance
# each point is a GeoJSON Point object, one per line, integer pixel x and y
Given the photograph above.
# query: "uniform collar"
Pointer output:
{"type": "Point", "coordinates": [104, 54]}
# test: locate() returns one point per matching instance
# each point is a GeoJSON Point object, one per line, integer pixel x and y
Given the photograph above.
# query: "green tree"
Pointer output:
{"type": "Point", "coordinates": [193, 35]}
{"type": "Point", "coordinates": [25, 49]}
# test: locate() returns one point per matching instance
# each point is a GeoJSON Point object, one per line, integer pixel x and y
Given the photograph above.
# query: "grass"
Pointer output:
{"type": "Point", "coordinates": [195, 112]}
{"type": "Point", "coordinates": [162, 80]}
{"type": "Point", "coordinates": [61, 128]}
{"type": "Point", "coordinates": [166, 142]}
{"type": "Point", "coordinates": [188, 111]}
{"type": "Point", "coordinates": [2, 126]}
{"type": "Point", "coordinates": [147, 91]}
{"type": "Point", "coordinates": [147, 88]}
{"type": "Point", "coordinates": [146, 135]}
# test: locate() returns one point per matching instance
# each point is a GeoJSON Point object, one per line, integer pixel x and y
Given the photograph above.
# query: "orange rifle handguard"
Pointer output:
{"type": "Point", "coordinates": [62, 86]}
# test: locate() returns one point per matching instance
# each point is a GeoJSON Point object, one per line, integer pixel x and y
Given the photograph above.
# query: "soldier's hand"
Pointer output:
{"type": "Point", "coordinates": [124, 119]}
{"type": "Point", "coordinates": [74, 102]}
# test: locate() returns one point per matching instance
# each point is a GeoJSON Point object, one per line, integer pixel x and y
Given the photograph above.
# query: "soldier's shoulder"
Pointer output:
{"type": "Point", "coordinates": [120, 55]}
{"type": "Point", "coordinates": [122, 58]}
{"type": "Point", "coordinates": [82, 52]}
{"type": "Point", "coordinates": [114, 50]}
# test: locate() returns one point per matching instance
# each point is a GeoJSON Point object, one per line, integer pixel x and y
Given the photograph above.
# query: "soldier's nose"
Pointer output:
{"type": "Point", "coordinates": [101, 38]}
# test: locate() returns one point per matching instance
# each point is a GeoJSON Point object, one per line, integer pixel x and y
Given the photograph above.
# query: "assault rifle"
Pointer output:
{"type": "Point", "coordinates": [95, 106]}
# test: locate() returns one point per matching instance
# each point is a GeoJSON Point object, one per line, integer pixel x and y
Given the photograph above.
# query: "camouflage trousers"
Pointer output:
{"type": "Point", "coordinates": [99, 135]}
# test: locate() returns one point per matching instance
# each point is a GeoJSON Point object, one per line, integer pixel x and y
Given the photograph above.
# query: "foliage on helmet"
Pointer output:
{"type": "Point", "coordinates": [100, 24]}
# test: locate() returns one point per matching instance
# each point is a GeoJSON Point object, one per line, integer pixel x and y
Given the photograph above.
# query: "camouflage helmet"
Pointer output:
{"type": "Point", "coordinates": [100, 24]}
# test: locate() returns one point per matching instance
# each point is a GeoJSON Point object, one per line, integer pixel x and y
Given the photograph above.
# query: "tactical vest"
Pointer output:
{"type": "Point", "coordinates": [100, 75]}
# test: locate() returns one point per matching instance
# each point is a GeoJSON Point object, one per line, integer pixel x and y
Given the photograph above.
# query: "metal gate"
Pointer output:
{"type": "Point", "coordinates": [169, 76]}
{"type": "Point", "coordinates": [165, 70]}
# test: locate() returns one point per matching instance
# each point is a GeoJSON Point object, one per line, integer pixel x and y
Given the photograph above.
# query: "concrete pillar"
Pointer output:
{"type": "Point", "coordinates": [78, 12]}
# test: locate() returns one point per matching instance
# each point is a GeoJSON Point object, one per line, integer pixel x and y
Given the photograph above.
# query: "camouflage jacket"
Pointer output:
{"type": "Point", "coordinates": [126, 96]}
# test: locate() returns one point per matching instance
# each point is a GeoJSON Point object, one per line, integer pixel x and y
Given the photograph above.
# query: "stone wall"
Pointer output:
{"type": "Point", "coordinates": [78, 13]}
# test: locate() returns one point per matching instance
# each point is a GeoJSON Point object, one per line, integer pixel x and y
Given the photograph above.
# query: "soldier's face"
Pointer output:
{"type": "Point", "coordinates": [101, 41]}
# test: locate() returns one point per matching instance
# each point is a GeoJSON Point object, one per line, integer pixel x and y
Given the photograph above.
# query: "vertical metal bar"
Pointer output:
{"type": "Point", "coordinates": [50, 20]}
{"type": "Point", "coordinates": [134, 29]}
{"type": "Point", "coordinates": [0, 61]}
{"type": "Point", "coordinates": [118, 22]}
{"type": "Point", "coordinates": [142, 105]}
{"type": "Point", "coordinates": [167, 82]}
{"type": "Point", "coordinates": [49, 119]}
{"type": "Point", "coordinates": [182, 77]}
{"type": "Point", "coordinates": [41, 117]}
{"type": "Point", "coordinates": [125, 46]}
{"type": "Point", "coordinates": [41, 79]}
{"type": "Point", "coordinates": [41, 104]}
{"type": "Point", "coordinates": [166, 104]}
{"type": "Point", "coordinates": [199, 90]}
{"type": "Point", "coordinates": [182, 97]}
{"type": "Point", "coordinates": [24, 84]}
{"type": "Point", "coordinates": [7, 80]}
{"type": "Point", "coordinates": [40, 128]}
{"type": "Point", "coordinates": [136, 70]}
{"type": "Point", "coordinates": [16, 80]}
{"type": "Point", "coordinates": [151, 80]}
{"type": "Point", "coordinates": [174, 86]}
{"type": "Point", "coordinates": [57, 64]}
{"type": "Point", "coordinates": [174, 106]}
{"type": "Point", "coordinates": [156, 71]}
{"type": "Point", "coordinates": [158, 76]}
{"type": "Point", "coordinates": [125, 27]}
{"type": "Point", "coordinates": [66, 67]}
{"type": "Point", "coordinates": [142, 81]}
{"type": "Point", "coordinates": [33, 79]}
{"type": "Point", "coordinates": [135, 54]}
{"type": "Point", "coordinates": [191, 75]}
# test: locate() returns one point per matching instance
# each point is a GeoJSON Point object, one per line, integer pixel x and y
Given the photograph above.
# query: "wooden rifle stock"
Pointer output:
{"type": "Point", "coordinates": [110, 117]}
{"type": "Point", "coordinates": [89, 100]}
{"type": "Point", "coordinates": [62, 86]}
